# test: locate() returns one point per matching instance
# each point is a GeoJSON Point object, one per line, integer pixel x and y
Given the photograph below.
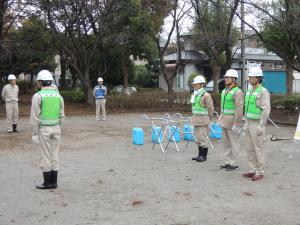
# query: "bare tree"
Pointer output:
{"type": "Point", "coordinates": [277, 25]}
{"type": "Point", "coordinates": [215, 32]}
{"type": "Point", "coordinates": [177, 12]}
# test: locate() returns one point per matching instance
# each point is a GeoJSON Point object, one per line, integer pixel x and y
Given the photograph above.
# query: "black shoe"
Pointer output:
{"type": "Point", "coordinates": [54, 179]}
{"type": "Point", "coordinates": [15, 128]}
{"type": "Point", "coordinates": [201, 159]}
{"type": "Point", "coordinates": [204, 154]}
{"type": "Point", "coordinates": [47, 181]}
{"type": "Point", "coordinates": [229, 168]}
{"type": "Point", "coordinates": [200, 153]}
{"type": "Point", "coordinates": [225, 166]}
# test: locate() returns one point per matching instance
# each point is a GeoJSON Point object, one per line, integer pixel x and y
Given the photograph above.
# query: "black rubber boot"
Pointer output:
{"type": "Point", "coordinates": [15, 128]}
{"type": "Point", "coordinates": [200, 153]}
{"type": "Point", "coordinates": [203, 156]}
{"type": "Point", "coordinates": [47, 181]}
{"type": "Point", "coordinates": [54, 179]}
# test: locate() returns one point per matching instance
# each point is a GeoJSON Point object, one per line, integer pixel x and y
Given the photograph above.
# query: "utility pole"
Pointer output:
{"type": "Point", "coordinates": [242, 45]}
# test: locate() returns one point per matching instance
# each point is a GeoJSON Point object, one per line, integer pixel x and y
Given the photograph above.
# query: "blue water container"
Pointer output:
{"type": "Point", "coordinates": [188, 132]}
{"type": "Point", "coordinates": [215, 131]}
{"type": "Point", "coordinates": [137, 136]}
{"type": "Point", "coordinates": [175, 132]}
{"type": "Point", "coordinates": [155, 132]}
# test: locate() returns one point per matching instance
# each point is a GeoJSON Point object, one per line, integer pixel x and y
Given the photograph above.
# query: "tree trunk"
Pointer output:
{"type": "Point", "coordinates": [83, 75]}
{"type": "Point", "coordinates": [125, 71]}
{"type": "Point", "coordinates": [170, 91]}
{"type": "Point", "coordinates": [289, 80]}
{"type": "Point", "coordinates": [216, 69]}
{"type": "Point", "coordinates": [31, 80]}
{"type": "Point", "coordinates": [63, 69]}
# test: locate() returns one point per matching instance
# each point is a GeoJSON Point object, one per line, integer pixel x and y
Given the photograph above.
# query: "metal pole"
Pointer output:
{"type": "Point", "coordinates": [242, 45]}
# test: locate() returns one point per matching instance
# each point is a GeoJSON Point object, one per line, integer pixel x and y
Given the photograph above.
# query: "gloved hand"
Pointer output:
{"type": "Point", "coordinates": [237, 129]}
{"type": "Point", "coordinates": [260, 130]}
{"type": "Point", "coordinates": [35, 139]}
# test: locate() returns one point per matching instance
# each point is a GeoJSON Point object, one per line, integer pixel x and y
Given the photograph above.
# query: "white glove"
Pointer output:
{"type": "Point", "coordinates": [260, 130]}
{"type": "Point", "coordinates": [237, 129]}
{"type": "Point", "coordinates": [35, 139]}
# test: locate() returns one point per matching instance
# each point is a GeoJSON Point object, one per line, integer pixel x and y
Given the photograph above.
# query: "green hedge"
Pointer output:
{"type": "Point", "coordinates": [73, 96]}
{"type": "Point", "coordinates": [289, 102]}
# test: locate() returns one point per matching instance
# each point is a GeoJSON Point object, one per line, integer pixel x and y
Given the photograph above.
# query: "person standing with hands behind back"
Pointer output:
{"type": "Point", "coordinates": [47, 117]}
{"type": "Point", "coordinates": [100, 93]}
{"type": "Point", "coordinates": [202, 109]}
{"type": "Point", "coordinates": [10, 94]}
{"type": "Point", "coordinates": [257, 110]}
{"type": "Point", "coordinates": [231, 118]}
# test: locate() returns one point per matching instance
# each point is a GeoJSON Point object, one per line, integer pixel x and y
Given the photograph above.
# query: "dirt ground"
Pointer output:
{"type": "Point", "coordinates": [105, 179]}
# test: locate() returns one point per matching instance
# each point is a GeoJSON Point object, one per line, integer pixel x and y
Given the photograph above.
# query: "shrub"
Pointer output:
{"type": "Point", "coordinates": [73, 96]}
{"type": "Point", "coordinates": [24, 86]}
{"type": "Point", "coordinates": [291, 102]}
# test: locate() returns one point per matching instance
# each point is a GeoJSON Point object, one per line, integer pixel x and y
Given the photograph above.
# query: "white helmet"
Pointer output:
{"type": "Point", "coordinates": [100, 79]}
{"type": "Point", "coordinates": [255, 72]}
{"type": "Point", "coordinates": [11, 77]}
{"type": "Point", "coordinates": [231, 73]}
{"type": "Point", "coordinates": [199, 80]}
{"type": "Point", "coordinates": [44, 75]}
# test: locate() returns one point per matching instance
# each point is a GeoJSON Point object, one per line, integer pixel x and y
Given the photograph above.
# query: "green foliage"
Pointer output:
{"type": "Point", "coordinates": [146, 75]}
{"type": "Point", "coordinates": [30, 48]}
{"type": "Point", "coordinates": [73, 96]}
{"type": "Point", "coordinates": [24, 86]}
{"type": "Point", "coordinates": [287, 102]}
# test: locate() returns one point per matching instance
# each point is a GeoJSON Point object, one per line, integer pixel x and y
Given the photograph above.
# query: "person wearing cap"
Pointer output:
{"type": "Point", "coordinates": [202, 109]}
{"type": "Point", "coordinates": [100, 93]}
{"type": "Point", "coordinates": [47, 117]}
{"type": "Point", "coordinates": [257, 110]}
{"type": "Point", "coordinates": [231, 119]}
{"type": "Point", "coordinates": [10, 94]}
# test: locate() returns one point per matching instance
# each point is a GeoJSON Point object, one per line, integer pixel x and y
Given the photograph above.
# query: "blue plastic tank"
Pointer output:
{"type": "Point", "coordinates": [175, 132]}
{"type": "Point", "coordinates": [137, 136]}
{"type": "Point", "coordinates": [215, 131]}
{"type": "Point", "coordinates": [188, 132]}
{"type": "Point", "coordinates": [157, 131]}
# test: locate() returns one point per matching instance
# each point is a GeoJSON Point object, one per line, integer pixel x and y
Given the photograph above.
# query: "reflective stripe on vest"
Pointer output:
{"type": "Point", "coordinates": [100, 92]}
{"type": "Point", "coordinates": [50, 107]}
{"type": "Point", "coordinates": [227, 101]}
{"type": "Point", "coordinates": [252, 111]}
{"type": "Point", "coordinates": [197, 107]}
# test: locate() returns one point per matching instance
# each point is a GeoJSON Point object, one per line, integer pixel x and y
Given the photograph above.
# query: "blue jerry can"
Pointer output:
{"type": "Point", "coordinates": [157, 131]}
{"type": "Point", "coordinates": [175, 132]}
{"type": "Point", "coordinates": [137, 136]}
{"type": "Point", "coordinates": [188, 132]}
{"type": "Point", "coordinates": [215, 131]}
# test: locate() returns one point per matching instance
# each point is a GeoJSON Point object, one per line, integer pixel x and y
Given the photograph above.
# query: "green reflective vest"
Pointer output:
{"type": "Point", "coordinates": [227, 101]}
{"type": "Point", "coordinates": [252, 111]}
{"type": "Point", "coordinates": [50, 107]}
{"type": "Point", "coordinates": [197, 107]}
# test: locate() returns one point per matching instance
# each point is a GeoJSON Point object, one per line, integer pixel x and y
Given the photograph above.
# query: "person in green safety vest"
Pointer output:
{"type": "Point", "coordinates": [47, 116]}
{"type": "Point", "coordinates": [257, 111]}
{"type": "Point", "coordinates": [231, 119]}
{"type": "Point", "coordinates": [202, 109]}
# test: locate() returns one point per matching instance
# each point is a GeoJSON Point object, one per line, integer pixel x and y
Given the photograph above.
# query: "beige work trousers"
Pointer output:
{"type": "Point", "coordinates": [254, 144]}
{"type": "Point", "coordinates": [100, 104]}
{"type": "Point", "coordinates": [12, 114]}
{"type": "Point", "coordinates": [201, 136]}
{"type": "Point", "coordinates": [231, 146]}
{"type": "Point", "coordinates": [49, 142]}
